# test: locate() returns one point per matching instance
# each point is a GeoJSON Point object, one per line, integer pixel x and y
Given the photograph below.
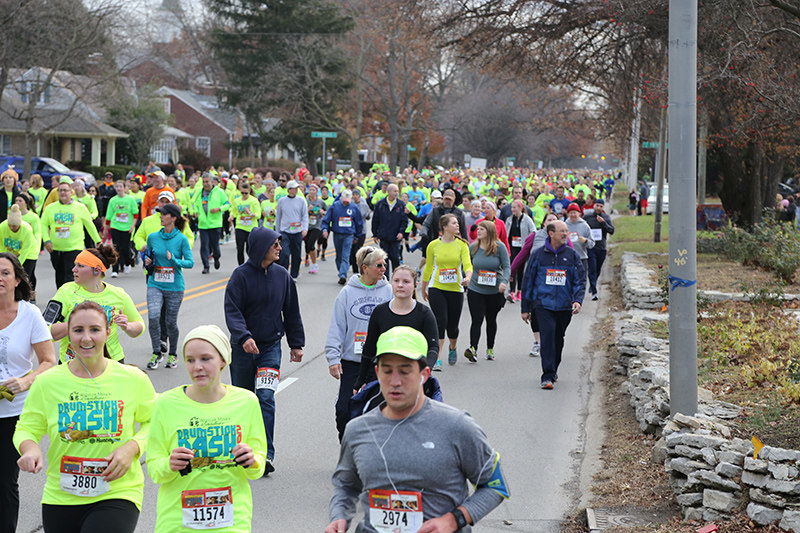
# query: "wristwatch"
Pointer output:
{"type": "Point", "coordinates": [461, 520]}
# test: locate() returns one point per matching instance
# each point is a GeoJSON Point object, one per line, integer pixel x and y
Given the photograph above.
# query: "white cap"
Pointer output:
{"type": "Point", "coordinates": [292, 184]}
{"type": "Point", "coordinates": [436, 194]}
{"type": "Point", "coordinates": [347, 193]}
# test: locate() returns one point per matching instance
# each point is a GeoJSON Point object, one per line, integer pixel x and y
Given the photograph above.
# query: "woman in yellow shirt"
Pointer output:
{"type": "Point", "coordinates": [89, 408]}
{"type": "Point", "coordinates": [443, 284]}
{"type": "Point", "coordinates": [206, 441]}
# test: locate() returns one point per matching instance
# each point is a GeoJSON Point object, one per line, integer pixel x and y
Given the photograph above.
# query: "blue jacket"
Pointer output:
{"type": "Point", "coordinates": [339, 213]}
{"type": "Point", "coordinates": [262, 304]}
{"type": "Point", "coordinates": [386, 223]}
{"type": "Point", "coordinates": [169, 269]}
{"type": "Point", "coordinates": [564, 266]}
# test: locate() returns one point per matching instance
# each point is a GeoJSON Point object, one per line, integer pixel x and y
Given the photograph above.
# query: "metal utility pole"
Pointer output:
{"type": "Point", "coordinates": [701, 158]}
{"type": "Point", "coordinates": [661, 174]}
{"type": "Point", "coordinates": [636, 127]}
{"type": "Point", "coordinates": [682, 206]}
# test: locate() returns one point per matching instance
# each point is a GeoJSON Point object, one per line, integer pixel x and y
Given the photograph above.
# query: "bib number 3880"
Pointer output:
{"type": "Point", "coordinates": [83, 477]}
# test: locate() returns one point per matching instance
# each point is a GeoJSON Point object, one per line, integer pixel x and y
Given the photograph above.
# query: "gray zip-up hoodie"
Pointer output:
{"type": "Point", "coordinates": [580, 229]}
{"type": "Point", "coordinates": [351, 312]}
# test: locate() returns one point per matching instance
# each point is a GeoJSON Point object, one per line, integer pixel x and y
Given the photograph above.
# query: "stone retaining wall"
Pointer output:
{"type": "Point", "coordinates": [710, 472]}
{"type": "Point", "coordinates": [641, 290]}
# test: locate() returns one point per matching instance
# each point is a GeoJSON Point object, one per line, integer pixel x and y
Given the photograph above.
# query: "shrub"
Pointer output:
{"type": "Point", "coordinates": [771, 245]}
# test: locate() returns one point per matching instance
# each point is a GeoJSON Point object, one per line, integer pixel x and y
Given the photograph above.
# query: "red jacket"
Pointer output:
{"type": "Point", "coordinates": [502, 236]}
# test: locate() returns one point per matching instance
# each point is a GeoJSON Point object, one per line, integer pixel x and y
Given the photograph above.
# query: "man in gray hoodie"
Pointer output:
{"type": "Point", "coordinates": [348, 330]}
{"type": "Point", "coordinates": [580, 234]}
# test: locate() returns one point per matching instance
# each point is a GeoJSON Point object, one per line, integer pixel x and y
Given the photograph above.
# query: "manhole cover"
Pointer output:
{"type": "Point", "coordinates": [600, 519]}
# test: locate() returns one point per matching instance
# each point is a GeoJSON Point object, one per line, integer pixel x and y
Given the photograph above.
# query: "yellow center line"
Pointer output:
{"type": "Point", "coordinates": [193, 289]}
{"type": "Point", "coordinates": [225, 281]}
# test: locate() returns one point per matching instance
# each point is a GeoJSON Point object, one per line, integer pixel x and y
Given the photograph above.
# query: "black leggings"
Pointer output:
{"type": "Point", "coordinates": [242, 244]}
{"type": "Point", "coordinates": [516, 276]}
{"type": "Point", "coordinates": [119, 516]}
{"type": "Point", "coordinates": [446, 307]}
{"type": "Point", "coordinates": [9, 475]}
{"type": "Point", "coordinates": [484, 306]}
{"type": "Point", "coordinates": [122, 242]}
{"type": "Point", "coordinates": [30, 269]}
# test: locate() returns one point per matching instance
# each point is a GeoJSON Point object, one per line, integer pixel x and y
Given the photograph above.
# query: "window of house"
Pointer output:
{"type": "Point", "coordinates": [162, 150]}
{"type": "Point", "coordinates": [27, 88]}
{"type": "Point", "coordinates": [167, 105]}
{"type": "Point", "coordinates": [203, 145]}
{"type": "Point", "coordinates": [5, 144]}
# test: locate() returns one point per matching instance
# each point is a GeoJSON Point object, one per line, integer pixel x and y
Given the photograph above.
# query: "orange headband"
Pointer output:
{"type": "Point", "coordinates": [89, 259]}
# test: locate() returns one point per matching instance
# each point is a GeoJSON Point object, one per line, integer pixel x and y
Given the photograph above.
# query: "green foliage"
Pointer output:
{"type": "Point", "coordinates": [281, 59]}
{"type": "Point", "coordinates": [751, 347]}
{"type": "Point", "coordinates": [772, 296]}
{"type": "Point", "coordinates": [119, 171]}
{"type": "Point", "coordinates": [771, 245]}
{"type": "Point", "coordinates": [142, 117]}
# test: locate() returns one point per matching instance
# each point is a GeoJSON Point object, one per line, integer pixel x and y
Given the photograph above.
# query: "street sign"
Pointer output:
{"type": "Point", "coordinates": [652, 145]}
{"type": "Point", "coordinates": [323, 134]}
{"type": "Point", "coordinates": [411, 148]}
{"type": "Point", "coordinates": [511, 158]}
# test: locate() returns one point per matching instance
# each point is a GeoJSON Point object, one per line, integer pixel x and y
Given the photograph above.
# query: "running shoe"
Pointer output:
{"type": "Point", "coordinates": [227, 237]}
{"type": "Point", "coordinates": [216, 263]}
{"type": "Point", "coordinates": [172, 361]}
{"type": "Point", "coordinates": [595, 297]}
{"type": "Point", "coordinates": [547, 384]}
{"type": "Point", "coordinates": [342, 281]}
{"type": "Point", "coordinates": [535, 350]}
{"type": "Point", "coordinates": [152, 364]}
{"type": "Point", "coordinates": [471, 354]}
{"type": "Point", "coordinates": [307, 261]}
{"type": "Point", "coordinates": [490, 354]}
{"type": "Point", "coordinates": [438, 366]}
{"type": "Point", "coordinates": [323, 257]}
{"type": "Point", "coordinates": [452, 357]}
{"type": "Point", "coordinates": [314, 269]}
{"type": "Point", "coordinates": [164, 348]}
{"type": "Point", "coordinates": [127, 269]}
{"type": "Point", "coordinates": [269, 467]}
{"type": "Point", "coordinates": [510, 298]}
{"type": "Point", "coordinates": [519, 296]}
{"type": "Point", "coordinates": [114, 274]}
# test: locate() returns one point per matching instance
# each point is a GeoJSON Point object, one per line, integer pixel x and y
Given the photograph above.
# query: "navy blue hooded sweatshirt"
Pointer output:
{"type": "Point", "coordinates": [261, 303]}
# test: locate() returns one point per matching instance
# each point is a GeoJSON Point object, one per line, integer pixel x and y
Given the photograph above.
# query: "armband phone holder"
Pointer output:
{"type": "Point", "coordinates": [52, 312]}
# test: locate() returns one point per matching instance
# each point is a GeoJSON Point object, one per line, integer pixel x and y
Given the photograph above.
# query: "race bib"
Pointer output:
{"type": "Point", "coordinates": [246, 221]}
{"type": "Point", "coordinates": [487, 277]}
{"type": "Point", "coordinates": [312, 220]}
{"type": "Point", "coordinates": [448, 275]}
{"type": "Point", "coordinates": [395, 512]}
{"type": "Point", "coordinates": [207, 508]}
{"type": "Point", "coordinates": [62, 232]}
{"type": "Point", "coordinates": [516, 242]}
{"type": "Point", "coordinates": [294, 226]}
{"type": "Point", "coordinates": [573, 236]}
{"type": "Point", "coordinates": [345, 222]}
{"type": "Point", "coordinates": [83, 477]}
{"type": "Point", "coordinates": [164, 274]}
{"type": "Point", "coordinates": [597, 234]}
{"type": "Point", "coordinates": [360, 340]}
{"type": "Point", "coordinates": [268, 378]}
{"type": "Point", "coordinates": [556, 277]}
{"type": "Point", "coordinates": [123, 218]}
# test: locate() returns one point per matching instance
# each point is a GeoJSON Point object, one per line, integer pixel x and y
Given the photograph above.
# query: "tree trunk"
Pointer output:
{"type": "Point", "coordinates": [749, 181]}
{"type": "Point", "coordinates": [423, 155]}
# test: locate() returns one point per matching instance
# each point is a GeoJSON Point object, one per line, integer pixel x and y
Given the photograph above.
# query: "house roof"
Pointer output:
{"type": "Point", "coordinates": [58, 122]}
{"type": "Point", "coordinates": [208, 106]}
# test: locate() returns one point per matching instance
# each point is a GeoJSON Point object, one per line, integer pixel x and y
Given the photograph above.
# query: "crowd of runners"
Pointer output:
{"type": "Point", "coordinates": [493, 238]}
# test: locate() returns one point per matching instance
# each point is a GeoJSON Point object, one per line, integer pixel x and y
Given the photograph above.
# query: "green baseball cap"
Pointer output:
{"type": "Point", "coordinates": [403, 340]}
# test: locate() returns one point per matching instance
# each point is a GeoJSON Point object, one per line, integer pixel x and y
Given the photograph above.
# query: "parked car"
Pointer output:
{"type": "Point", "coordinates": [46, 167]}
{"type": "Point", "coordinates": [651, 200]}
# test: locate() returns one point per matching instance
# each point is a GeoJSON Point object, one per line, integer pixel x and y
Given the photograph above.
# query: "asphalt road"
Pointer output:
{"type": "Point", "coordinates": [540, 435]}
